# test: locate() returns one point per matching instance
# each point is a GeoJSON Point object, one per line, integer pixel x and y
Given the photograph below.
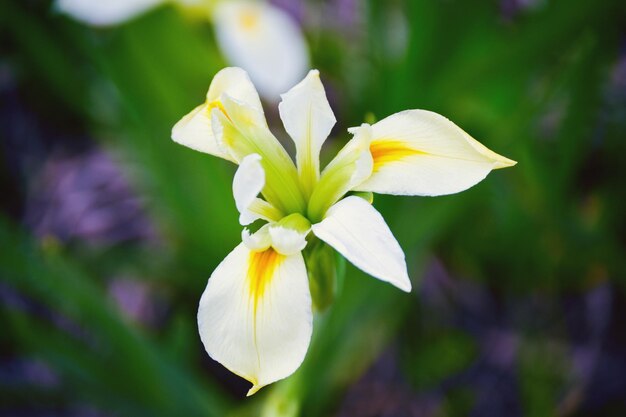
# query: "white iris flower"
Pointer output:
{"type": "Point", "coordinates": [255, 316]}
{"type": "Point", "coordinates": [254, 35]}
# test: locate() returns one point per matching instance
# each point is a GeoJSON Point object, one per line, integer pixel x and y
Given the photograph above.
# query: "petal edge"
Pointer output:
{"type": "Point", "coordinates": [358, 232]}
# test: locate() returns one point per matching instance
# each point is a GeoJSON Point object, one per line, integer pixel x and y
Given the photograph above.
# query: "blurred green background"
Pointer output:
{"type": "Point", "coordinates": [109, 230]}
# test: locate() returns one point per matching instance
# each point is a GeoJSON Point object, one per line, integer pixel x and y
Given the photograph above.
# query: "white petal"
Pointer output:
{"type": "Point", "coordinates": [364, 164]}
{"type": "Point", "coordinates": [195, 131]}
{"type": "Point", "coordinates": [104, 12]}
{"type": "Point", "coordinates": [255, 315]}
{"type": "Point", "coordinates": [236, 83]}
{"type": "Point", "coordinates": [287, 241]}
{"type": "Point", "coordinates": [308, 119]}
{"type": "Point", "coordinates": [417, 152]}
{"type": "Point", "coordinates": [357, 231]}
{"type": "Point", "coordinates": [263, 40]}
{"type": "Point", "coordinates": [240, 128]}
{"type": "Point", "coordinates": [248, 182]}
{"type": "Point", "coordinates": [242, 113]}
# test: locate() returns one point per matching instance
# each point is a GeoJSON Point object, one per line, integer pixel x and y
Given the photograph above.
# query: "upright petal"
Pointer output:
{"type": "Point", "coordinates": [195, 129]}
{"type": "Point", "coordinates": [357, 231]}
{"type": "Point", "coordinates": [265, 41]}
{"type": "Point", "coordinates": [308, 119]}
{"type": "Point", "coordinates": [104, 13]}
{"type": "Point", "coordinates": [255, 315]}
{"type": "Point", "coordinates": [417, 152]}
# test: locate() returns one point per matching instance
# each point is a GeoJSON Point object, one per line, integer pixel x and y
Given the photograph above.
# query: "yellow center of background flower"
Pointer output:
{"type": "Point", "coordinates": [249, 19]}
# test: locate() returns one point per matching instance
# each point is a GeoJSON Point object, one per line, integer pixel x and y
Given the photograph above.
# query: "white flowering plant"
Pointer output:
{"type": "Point", "coordinates": [256, 314]}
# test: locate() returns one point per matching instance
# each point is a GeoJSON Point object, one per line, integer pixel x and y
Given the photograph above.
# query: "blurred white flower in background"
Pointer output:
{"type": "Point", "coordinates": [254, 35]}
{"type": "Point", "coordinates": [104, 12]}
{"type": "Point", "coordinates": [263, 40]}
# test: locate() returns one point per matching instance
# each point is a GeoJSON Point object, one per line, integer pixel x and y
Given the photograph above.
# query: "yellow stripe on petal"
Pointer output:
{"type": "Point", "coordinates": [448, 159]}
{"type": "Point", "coordinates": [385, 151]}
{"type": "Point", "coordinates": [270, 344]}
{"type": "Point", "coordinates": [262, 266]}
{"type": "Point", "coordinates": [216, 104]}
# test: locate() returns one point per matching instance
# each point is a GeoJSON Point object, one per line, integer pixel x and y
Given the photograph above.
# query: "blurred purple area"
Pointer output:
{"type": "Point", "coordinates": [86, 197]}
{"type": "Point", "coordinates": [66, 189]}
{"type": "Point", "coordinates": [581, 339]}
{"type": "Point", "coordinates": [137, 300]}
{"type": "Point", "coordinates": [336, 14]}
{"type": "Point", "coordinates": [511, 8]}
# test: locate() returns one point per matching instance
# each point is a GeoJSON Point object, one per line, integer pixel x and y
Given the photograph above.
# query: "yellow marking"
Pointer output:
{"type": "Point", "coordinates": [249, 19]}
{"type": "Point", "coordinates": [261, 269]}
{"type": "Point", "coordinates": [384, 151]}
{"type": "Point", "coordinates": [262, 266]}
{"type": "Point", "coordinates": [216, 104]}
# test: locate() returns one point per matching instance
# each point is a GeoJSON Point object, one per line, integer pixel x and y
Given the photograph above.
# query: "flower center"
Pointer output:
{"type": "Point", "coordinates": [249, 19]}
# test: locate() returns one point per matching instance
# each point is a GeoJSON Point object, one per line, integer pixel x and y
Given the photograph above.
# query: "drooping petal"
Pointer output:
{"type": "Point", "coordinates": [104, 13]}
{"type": "Point", "coordinates": [255, 315]}
{"type": "Point", "coordinates": [418, 152]}
{"type": "Point", "coordinates": [308, 119]}
{"type": "Point", "coordinates": [348, 169]}
{"type": "Point", "coordinates": [357, 231]}
{"type": "Point", "coordinates": [263, 40]}
{"type": "Point", "coordinates": [195, 129]}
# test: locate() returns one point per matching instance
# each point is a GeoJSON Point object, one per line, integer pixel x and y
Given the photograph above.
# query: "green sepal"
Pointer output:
{"type": "Point", "coordinates": [295, 221]}
{"type": "Point", "coordinates": [352, 165]}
